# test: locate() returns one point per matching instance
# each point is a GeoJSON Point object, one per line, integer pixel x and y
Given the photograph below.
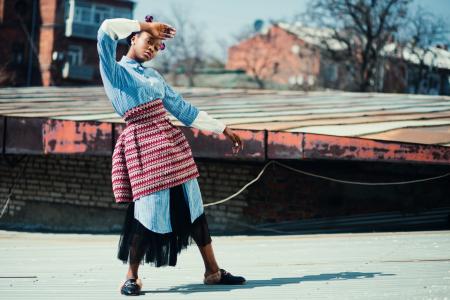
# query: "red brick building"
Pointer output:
{"type": "Point", "coordinates": [291, 55]}
{"type": "Point", "coordinates": [53, 42]}
{"type": "Point", "coordinates": [277, 55]}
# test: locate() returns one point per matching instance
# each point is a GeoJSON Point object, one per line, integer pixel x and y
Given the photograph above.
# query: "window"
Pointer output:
{"type": "Point", "coordinates": [101, 13]}
{"type": "Point", "coordinates": [331, 72]}
{"type": "Point", "coordinates": [93, 14]}
{"type": "Point", "coordinates": [276, 66]}
{"type": "Point", "coordinates": [83, 12]}
{"type": "Point", "coordinates": [122, 13]}
{"type": "Point", "coordinates": [295, 49]}
{"type": "Point", "coordinates": [75, 55]}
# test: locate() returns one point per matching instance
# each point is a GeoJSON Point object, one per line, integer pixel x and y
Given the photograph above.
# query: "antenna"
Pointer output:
{"type": "Point", "coordinates": [258, 24]}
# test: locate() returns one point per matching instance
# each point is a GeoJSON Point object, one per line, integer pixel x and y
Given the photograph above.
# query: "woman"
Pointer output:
{"type": "Point", "coordinates": [153, 169]}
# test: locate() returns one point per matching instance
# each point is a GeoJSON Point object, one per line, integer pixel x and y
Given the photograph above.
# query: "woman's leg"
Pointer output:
{"type": "Point", "coordinates": [209, 260]}
{"type": "Point", "coordinates": [133, 271]}
{"type": "Point", "coordinates": [201, 236]}
{"type": "Point", "coordinates": [136, 255]}
{"type": "Point", "coordinates": [212, 274]}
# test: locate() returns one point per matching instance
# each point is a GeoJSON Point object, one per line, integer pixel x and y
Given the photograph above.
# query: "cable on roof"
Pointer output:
{"type": "Point", "coordinates": [10, 191]}
{"type": "Point", "coordinates": [323, 177]}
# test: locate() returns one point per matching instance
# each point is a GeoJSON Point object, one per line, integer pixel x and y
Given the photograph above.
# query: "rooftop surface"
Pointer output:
{"type": "Point", "coordinates": [395, 265]}
{"type": "Point", "coordinates": [420, 119]}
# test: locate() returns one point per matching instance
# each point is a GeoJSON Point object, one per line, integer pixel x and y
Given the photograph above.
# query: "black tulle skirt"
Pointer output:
{"type": "Point", "coordinates": [138, 244]}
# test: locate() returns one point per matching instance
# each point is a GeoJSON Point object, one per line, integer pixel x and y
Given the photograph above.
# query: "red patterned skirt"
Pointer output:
{"type": "Point", "coordinates": [151, 154]}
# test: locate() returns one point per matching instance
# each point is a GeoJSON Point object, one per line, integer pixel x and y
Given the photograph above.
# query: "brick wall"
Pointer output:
{"type": "Point", "coordinates": [271, 57]}
{"type": "Point", "coordinates": [62, 192]}
{"type": "Point", "coordinates": [73, 193]}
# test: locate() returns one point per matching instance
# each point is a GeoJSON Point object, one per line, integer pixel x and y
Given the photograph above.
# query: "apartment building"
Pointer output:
{"type": "Point", "coordinates": [53, 42]}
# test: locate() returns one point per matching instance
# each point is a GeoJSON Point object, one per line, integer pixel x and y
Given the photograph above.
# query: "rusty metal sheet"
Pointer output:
{"type": "Point", "coordinates": [317, 146]}
{"type": "Point", "coordinates": [211, 145]}
{"type": "Point", "coordinates": [69, 137]}
{"type": "Point", "coordinates": [23, 135]}
{"type": "Point", "coordinates": [427, 135]}
{"type": "Point", "coordinates": [322, 113]}
{"type": "Point", "coordinates": [117, 130]}
{"type": "Point", "coordinates": [284, 145]}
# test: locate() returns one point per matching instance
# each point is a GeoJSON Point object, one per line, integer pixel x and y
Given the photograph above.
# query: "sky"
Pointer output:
{"type": "Point", "coordinates": [221, 20]}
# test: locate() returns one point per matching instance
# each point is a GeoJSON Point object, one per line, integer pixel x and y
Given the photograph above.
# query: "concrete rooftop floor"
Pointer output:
{"type": "Point", "coordinates": [395, 265]}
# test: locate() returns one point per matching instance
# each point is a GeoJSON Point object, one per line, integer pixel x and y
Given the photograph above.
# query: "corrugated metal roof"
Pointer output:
{"type": "Point", "coordinates": [392, 117]}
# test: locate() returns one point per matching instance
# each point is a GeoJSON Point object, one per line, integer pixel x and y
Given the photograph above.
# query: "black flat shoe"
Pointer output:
{"type": "Point", "coordinates": [131, 287]}
{"type": "Point", "coordinates": [223, 277]}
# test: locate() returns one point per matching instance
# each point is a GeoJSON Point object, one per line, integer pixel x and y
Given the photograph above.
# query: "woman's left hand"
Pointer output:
{"type": "Point", "coordinates": [237, 143]}
{"type": "Point", "coordinates": [158, 30]}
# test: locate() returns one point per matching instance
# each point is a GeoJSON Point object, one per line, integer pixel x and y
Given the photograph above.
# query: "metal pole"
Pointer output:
{"type": "Point", "coordinates": [30, 56]}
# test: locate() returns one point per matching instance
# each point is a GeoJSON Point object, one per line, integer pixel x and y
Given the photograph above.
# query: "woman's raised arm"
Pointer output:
{"type": "Point", "coordinates": [110, 31]}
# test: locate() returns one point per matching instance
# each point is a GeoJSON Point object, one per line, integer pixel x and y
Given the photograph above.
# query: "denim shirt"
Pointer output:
{"type": "Point", "coordinates": [128, 84]}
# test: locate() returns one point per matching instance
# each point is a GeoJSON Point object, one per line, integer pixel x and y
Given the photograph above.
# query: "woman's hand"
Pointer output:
{"type": "Point", "coordinates": [158, 30]}
{"type": "Point", "coordinates": [237, 143]}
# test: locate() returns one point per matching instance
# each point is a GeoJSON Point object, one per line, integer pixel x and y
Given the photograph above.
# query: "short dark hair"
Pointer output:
{"type": "Point", "coordinates": [130, 36]}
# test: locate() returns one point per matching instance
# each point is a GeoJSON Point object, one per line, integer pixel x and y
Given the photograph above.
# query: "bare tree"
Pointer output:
{"type": "Point", "coordinates": [356, 32]}
{"type": "Point", "coordinates": [185, 53]}
{"type": "Point", "coordinates": [423, 32]}
{"type": "Point", "coordinates": [257, 52]}
{"type": "Point", "coordinates": [258, 60]}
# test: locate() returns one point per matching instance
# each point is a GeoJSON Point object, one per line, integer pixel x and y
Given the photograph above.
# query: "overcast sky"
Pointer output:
{"type": "Point", "coordinates": [222, 19]}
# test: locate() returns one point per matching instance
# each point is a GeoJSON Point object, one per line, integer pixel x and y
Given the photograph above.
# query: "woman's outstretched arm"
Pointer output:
{"type": "Point", "coordinates": [206, 122]}
{"type": "Point", "coordinates": [190, 115]}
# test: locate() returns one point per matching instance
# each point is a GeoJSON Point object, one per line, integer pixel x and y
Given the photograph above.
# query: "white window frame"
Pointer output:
{"type": "Point", "coordinates": [91, 9]}
{"type": "Point", "coordinates": [75, 55]}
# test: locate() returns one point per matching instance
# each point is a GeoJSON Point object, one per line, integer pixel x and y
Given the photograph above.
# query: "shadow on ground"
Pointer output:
{"type": "Point", "coordinates": [198, 288]}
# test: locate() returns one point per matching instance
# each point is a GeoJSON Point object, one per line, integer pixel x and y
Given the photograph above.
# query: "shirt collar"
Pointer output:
{"type": "Point", "coordinates": [132, 62]}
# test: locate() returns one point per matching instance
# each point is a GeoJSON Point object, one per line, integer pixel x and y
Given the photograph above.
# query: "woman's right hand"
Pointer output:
{"type": "Point", "coordinates": [158, 30]}
{"type": "Point", "coordinates": [237, 143]}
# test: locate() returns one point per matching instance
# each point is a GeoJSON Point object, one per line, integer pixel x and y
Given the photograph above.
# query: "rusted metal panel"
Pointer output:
{"type": "Point", "coordinates": [23, 135]}
{"type": "Point", "coordinates": [317, 146]}
{"type": "Point", "coordinates": [426, 135]}
{"type": "Point", "coordinates": [69, 137]}
{"type": "Point", "coordinates": [388, 116]}
{"type": "Point", "coordinates": [117, 130]}
{"type": "Point", "coordinates": [207, 144]}
{"type": "Point", "coordinates": [284, 145]}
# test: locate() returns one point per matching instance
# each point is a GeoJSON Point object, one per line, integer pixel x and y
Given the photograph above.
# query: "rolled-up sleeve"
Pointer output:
{"type": "Point", "coordinates": [205, 122]}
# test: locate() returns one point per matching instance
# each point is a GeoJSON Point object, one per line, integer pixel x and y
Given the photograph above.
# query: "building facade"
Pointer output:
{"type": "Point", "coordinates": [292, 55]}
{"type": "Point", "coordinates": [53, 42]}
{"type": "Point", "coordinates": [276, 55]}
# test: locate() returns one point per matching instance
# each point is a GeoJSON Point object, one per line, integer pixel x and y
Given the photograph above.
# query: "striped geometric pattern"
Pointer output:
{"type": "Point", "coordinates": [150, 154]}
